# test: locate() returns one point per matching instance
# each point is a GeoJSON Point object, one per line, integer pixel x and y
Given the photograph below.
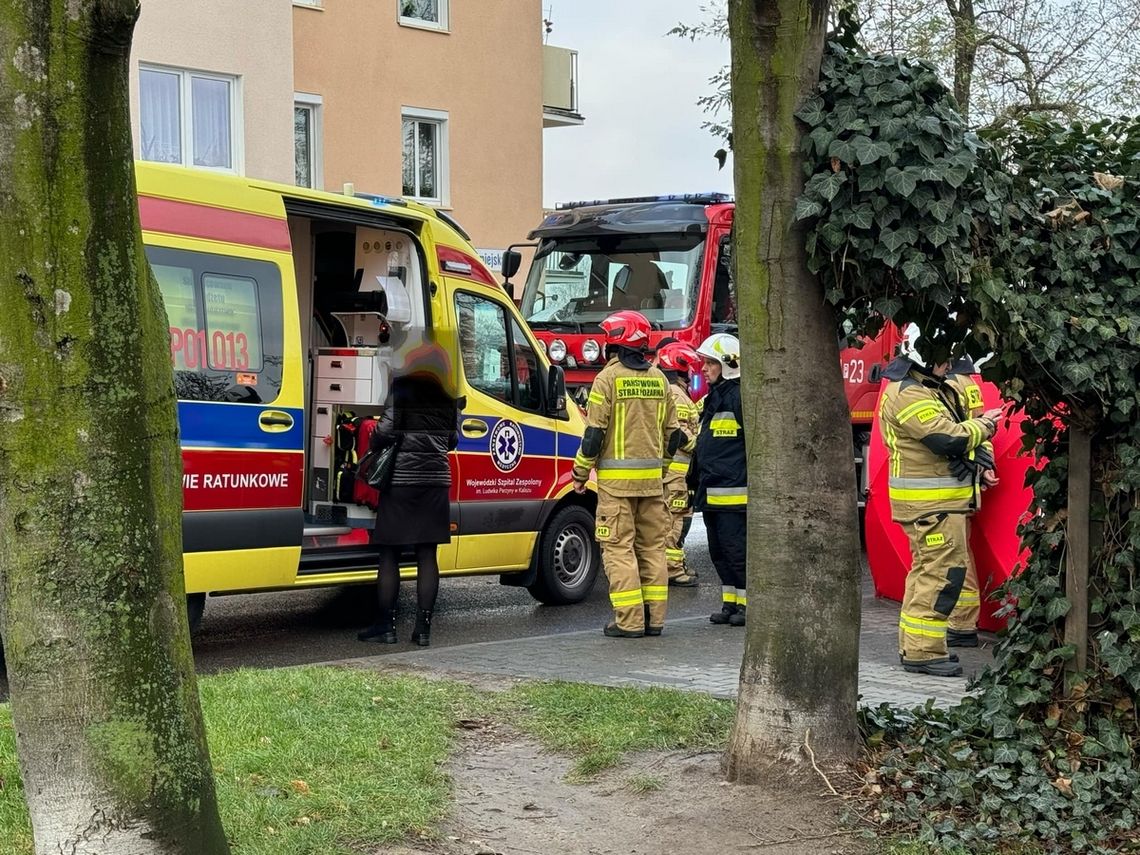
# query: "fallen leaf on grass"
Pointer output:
{"type": "Point", "coordinates": [299, 787]}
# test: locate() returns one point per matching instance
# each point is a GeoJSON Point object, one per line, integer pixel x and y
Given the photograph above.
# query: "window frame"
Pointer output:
{"type": "Point", "coordinates": [509, 322]}
{"type": "Point", "coordinates": [440, 119]}
{"type": "Point", "coordinates": [272, 338]}
{"type": "Point", "coordinates": [315, 106]}
{"type": "Point", "coordinates": [443, 25]}
{"type": "Point", "coordinates": [186, 115]}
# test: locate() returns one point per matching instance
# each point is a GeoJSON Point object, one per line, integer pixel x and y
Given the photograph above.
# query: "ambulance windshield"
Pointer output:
{"type": "Point", "coordinates": [577, 282]}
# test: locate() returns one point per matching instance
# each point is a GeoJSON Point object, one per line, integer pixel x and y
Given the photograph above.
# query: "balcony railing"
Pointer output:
{"type": "Point", "coordinates": [560, 87]}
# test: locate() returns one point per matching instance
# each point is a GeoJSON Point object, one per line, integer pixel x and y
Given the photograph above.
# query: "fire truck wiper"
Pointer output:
{"type": "Point", "coordinates": [557, 325]}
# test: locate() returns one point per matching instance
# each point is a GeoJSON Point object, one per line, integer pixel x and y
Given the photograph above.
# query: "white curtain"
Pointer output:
{"type": "Point", "coordinates": [210, 102]}
{"type": "Point", "coordinates": [160, 113]}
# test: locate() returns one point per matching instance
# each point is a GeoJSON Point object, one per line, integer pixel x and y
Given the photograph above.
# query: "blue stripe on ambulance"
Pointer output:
{"type": "Point", "coordinates": [209, 425]}
{"type": "Point", "coordinates": [537, 441]}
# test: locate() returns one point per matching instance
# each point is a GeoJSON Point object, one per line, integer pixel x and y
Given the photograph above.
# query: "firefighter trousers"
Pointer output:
{"type": "Point", "coordinates": [632, 532]}
{"type": "Point", "coordinates": [677, 500]}
{"type": "Point", "coordinates": [728, 533]}
{"type": "Point", "coordinates": [964, 618]}
{"type": "Point", "coordinates": [938, 572]}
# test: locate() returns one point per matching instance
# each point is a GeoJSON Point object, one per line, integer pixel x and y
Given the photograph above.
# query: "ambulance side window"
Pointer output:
{"type": "Point", "coordinates": [498, 358]}
{"type": "Point", "coordinates": [226, 325]}
{"type": "Point", "coordinates": [527, 371]}
{"type": "Point", "coordinates": [484, 346]}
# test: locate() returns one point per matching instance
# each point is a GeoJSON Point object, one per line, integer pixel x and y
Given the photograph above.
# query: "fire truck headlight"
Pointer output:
{"type": "Point", "coordinates": [591, 350]}
{"type": "Point", "coordinates": [557, 350]}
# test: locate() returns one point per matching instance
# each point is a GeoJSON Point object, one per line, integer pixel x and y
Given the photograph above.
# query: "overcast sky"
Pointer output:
{"type": "Point", "coordinates": [638, 90]}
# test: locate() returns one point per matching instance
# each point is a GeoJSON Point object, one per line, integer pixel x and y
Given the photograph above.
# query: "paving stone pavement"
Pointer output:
{"type": "Point", "coordinates": [692, 654]}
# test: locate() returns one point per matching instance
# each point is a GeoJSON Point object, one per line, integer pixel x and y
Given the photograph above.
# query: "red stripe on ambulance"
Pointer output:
{"type": "Point", "coordinates": [220, 224]}
{"type": "Point", "coordinates": [218, 480]}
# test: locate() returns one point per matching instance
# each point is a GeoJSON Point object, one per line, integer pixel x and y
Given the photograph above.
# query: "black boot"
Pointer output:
{"type": "Point", "coordinates": [381, 632]}
{"type": "Point", "coordinates": [738, 618]}
{"type": "Point", "coordinates": [726, 612]}
{"type": "Point", "coordinates": [961, 638]}
{"type": "Point", "coordinates": [421, 633]}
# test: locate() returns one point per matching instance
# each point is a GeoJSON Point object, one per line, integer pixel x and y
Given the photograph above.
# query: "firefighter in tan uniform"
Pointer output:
{"type": "Point", "coordinates": [927, 442]}
{"type": "Point", "coordinates": [631, 425]}
{"type": "Point", "coordinates": [679, 362]}
{"type": "Point", "coordinates": [963, 626]}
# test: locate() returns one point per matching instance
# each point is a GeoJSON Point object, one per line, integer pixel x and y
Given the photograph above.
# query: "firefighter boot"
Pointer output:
{"type": "Point", "coordinates": [724, 616]}
{"type": "Point", "coordinates": [958, 638]}
{"type": "Point", "coordinates": [934, 667]}
{"type": "Point", "coordinates": [612, 630]}
{"type": "Point", "coordinates": [381, 632]}
{"type": "Point", "coordinates": [738, 618]}
{"type": "Point", "coordinates": [421, 633]}
{"type": "Point", "coordinates": [650, 629]}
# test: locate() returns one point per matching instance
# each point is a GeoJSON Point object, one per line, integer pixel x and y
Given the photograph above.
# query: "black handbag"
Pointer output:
{"type": "Point", "coordinates": [376, 466]}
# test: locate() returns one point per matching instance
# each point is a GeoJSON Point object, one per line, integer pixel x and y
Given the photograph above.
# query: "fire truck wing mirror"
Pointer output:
{"type": "Point", "coordinates": [556, 390]}
{"type": "Point", "coordinates": [511, 262]}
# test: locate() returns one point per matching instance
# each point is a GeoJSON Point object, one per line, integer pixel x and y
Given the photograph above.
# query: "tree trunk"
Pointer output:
{"type": "Point", "coordinates": [965, 52]}
{"type": "Point", "coordinates": [801, 658]}
{"type": "Point", "coordinates": [92, 609]}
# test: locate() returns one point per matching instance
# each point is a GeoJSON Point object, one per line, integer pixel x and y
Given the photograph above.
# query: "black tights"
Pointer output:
{"type": "Point", "coordinates": [388, 578]}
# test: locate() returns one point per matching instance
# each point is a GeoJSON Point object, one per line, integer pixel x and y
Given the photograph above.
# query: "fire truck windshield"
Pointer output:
{"type": "Point", "coordinates": [577, 282]}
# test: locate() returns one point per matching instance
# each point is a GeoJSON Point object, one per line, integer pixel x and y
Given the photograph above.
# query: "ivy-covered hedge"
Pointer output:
{"type": "Point", "coordinates": [1026, 243]}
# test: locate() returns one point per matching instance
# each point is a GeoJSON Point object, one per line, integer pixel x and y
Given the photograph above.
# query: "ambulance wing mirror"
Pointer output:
{"type": "Point", "coordinates": [556, 391]}
{"type": "Point", "coordinates": [512, 261]}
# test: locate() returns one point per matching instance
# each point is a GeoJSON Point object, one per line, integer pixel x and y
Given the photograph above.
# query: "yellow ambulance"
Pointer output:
{"type": "Point", "coordinates": [290, 311]}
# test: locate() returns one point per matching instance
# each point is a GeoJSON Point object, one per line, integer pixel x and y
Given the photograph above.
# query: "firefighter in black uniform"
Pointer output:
{"type": "Point", "coordinates": [719, 474]}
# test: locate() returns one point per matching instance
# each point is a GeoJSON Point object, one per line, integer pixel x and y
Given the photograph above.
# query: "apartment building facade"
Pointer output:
{"type": "Point", "coordinates": [445, 101]}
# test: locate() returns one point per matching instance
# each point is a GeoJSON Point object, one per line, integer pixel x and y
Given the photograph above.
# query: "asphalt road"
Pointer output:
{"type": "Point", "coordinates": [300, 627]}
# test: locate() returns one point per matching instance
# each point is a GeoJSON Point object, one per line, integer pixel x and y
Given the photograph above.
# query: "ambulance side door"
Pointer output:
{"type": "Point", "coordinates": [506, 454]}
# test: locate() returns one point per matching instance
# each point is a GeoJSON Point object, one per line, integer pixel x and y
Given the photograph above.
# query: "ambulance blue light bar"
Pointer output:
{"type": "Point", "coordinates": [380, 201]}
{"type": "Point", "coordinates": [694, 198]}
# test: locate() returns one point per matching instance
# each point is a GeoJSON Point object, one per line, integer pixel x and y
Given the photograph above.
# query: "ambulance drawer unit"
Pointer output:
{"type": "Point", "coordinates": [359, 378]}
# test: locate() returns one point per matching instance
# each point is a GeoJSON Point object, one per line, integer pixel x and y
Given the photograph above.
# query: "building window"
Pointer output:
{"type": "Point", "coordinates": [424, 13]}
{"type": "Point", "coordinates": [425, 155]}
{"type": "Point", "coordinates": [189, 117]}
{"type": "Point", "coordinates": [307, 139]}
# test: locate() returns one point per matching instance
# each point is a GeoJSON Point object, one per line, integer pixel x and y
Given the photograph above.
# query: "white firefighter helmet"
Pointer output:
{"type": "Point", "coordinates": [725, 349]}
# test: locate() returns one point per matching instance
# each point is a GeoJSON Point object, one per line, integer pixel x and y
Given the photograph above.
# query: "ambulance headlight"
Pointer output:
{"type": "Point", "coordinates": [557, 350]}
{"type": "Point", "coordinates": [591, 350]}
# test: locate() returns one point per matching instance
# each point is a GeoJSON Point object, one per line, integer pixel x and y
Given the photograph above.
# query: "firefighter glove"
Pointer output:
{"type": "Point", "coordinates": [963, 469]}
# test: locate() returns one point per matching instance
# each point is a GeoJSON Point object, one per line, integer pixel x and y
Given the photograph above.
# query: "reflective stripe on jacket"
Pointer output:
{"type": "Point", "coordinates": [634, 409]}
{"type": "Point", "coordinates": [720, 467]}
{"type": "Point", "coordinates": [922, 430]}
{"type": "Point", "coordinates": [675, 469]}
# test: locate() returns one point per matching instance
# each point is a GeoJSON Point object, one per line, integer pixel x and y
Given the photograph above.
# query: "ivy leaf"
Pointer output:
{"type": "Point", "coordinates": [1005, 755]}
{"type": "Point", "coordinates": [1058, 607]}
{"type": "Point", "coordinates": [812, 112]}
{"type": "Point", "coordinates": [899, 182]}
{"type": "Point", "coordinates": [939, 233]}
{"type": "Point", "coordinates": [825, 184]}
{"type": "Point", "coordinates": [806, 208]}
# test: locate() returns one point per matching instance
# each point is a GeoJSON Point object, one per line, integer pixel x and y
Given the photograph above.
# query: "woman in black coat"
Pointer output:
{"type": "Point", "coordinates": [415, 508]}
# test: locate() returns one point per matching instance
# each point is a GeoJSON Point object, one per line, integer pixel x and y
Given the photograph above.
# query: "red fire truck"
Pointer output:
{"type": "Point", "coordinates": [668, 257]}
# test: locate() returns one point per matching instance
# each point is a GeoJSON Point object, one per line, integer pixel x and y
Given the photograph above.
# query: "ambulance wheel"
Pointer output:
{"type": "Point", "coordinates": [195, 606]}
{"type": "Point", "coordinates": [568, 560]}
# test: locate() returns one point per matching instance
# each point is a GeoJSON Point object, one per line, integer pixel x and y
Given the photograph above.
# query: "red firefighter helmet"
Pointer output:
{"type": "Point", "coordinates": [627, 329]}
{"type": "Point", "coordinates": [678, 356]}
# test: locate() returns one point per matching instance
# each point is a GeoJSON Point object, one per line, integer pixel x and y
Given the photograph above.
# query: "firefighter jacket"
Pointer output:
{"type": "Point", "coordinates": [969, 395]}
{"type": "Point", "coordinates": [924, 433]}
{"type": "Point", "coordinates": [631, 424]}
{"type": "Point", "coordinates": [719, 471]}
{"type": "Point", "coordinates": [675, 469]}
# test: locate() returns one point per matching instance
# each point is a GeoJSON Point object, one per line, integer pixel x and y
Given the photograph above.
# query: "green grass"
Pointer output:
{"type": "Point", "coordinates": [308, 760]}
{"type": "Point", "coordinates": [643, 784]}
{"type": "Point", "coordinates": [341, 761]}
{"type": "Point", "coordinates": [15, 830]}
{"type": "Point", "coordinates": [599, 725]}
